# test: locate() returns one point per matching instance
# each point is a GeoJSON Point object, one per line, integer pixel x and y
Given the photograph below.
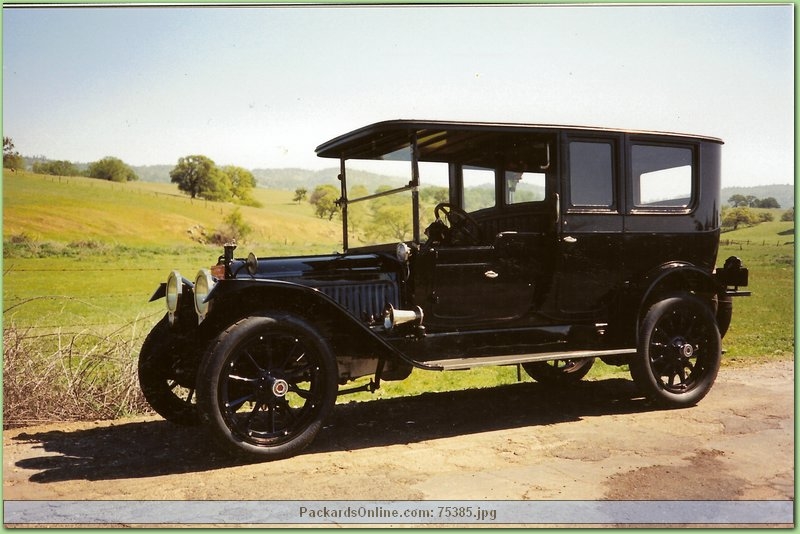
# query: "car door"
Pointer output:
{"type": "Point", "coordinates": [472, 285]}
{"type": "Point", "coordinates": [590, 226]}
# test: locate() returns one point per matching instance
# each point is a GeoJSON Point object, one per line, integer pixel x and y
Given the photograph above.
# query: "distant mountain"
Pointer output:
{"type": "Point", "coordinates": [783, 193]}
{"type": "Point", "coordinates": [153, 173]}
{"type": "Point", "coordinates": [291, 179]}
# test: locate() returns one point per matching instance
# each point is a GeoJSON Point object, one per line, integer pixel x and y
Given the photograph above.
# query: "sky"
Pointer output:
{"type": "Point", "coordinates": [262, 87]}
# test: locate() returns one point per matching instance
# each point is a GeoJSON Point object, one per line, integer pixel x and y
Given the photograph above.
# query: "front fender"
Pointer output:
{"type": "Point", "coordinates": [161, 291]}
{"type": "Point", "coordinates": [234, 299]}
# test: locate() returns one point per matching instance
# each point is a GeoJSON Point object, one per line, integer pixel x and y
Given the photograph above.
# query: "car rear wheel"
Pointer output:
{"type": "Point", "coordinates": [558, 372]}
{"type": "Point", "coordinates": [167, 378]}
{"type": "Point", "coordinates": [266, 385]}
{"type": "Point", "coordinates": [679, 351]}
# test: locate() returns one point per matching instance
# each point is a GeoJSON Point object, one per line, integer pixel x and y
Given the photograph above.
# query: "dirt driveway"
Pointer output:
{"type": "Point", "coordinates": [518, 442]}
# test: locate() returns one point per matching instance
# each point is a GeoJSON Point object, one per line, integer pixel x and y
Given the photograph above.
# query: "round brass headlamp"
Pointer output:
{"type": "Point", "coordinates": [173, 296]}
{"type": "Point", "coordinates": [203, 285]}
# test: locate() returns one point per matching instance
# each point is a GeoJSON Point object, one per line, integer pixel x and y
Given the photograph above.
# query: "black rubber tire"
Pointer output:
{"type": "Point", "coordinates": [679, 351]}
{"type": "Point", "coordinates": [166, 379]}
{"type": "Point", "coordinates": [243, 374]}
{"type": "Point", "coordinates": [559, 372]}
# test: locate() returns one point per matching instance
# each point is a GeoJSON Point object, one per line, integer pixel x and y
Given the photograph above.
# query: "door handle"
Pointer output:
{"type": "Point", "coordinates": [491, 275]}
{"type": "Point", "coordinates": [569, 239]}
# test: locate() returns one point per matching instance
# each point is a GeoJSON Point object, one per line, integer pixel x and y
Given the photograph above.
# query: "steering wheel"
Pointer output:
{"type": "Point", "coordinates": [464, 229]}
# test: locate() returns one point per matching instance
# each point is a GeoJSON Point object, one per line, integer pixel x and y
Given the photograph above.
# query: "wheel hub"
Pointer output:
{"type": "Point", "coordinates": [269, 387]}
{"type": "Point", "coordinates": [280, 387]}
{"type": "Point", "coordinates": [683, 349]}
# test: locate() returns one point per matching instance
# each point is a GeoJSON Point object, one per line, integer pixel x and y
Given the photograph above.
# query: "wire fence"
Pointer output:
{"type": "Point", "coordinates": [754, 242]}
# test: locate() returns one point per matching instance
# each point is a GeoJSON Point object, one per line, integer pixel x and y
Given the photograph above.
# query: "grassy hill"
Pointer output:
{"type": "Point", "coordinates": [142, 214]}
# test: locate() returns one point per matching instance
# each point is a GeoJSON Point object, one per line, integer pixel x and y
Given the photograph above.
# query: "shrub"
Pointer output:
{"type": "Point", "coordinates": [234, 228]}
{"type": "Point", "coordinates": [61, 377]}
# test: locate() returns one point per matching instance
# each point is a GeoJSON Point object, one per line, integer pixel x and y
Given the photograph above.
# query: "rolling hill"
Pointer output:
{"type": "Point", "coordinates": [142, 214]}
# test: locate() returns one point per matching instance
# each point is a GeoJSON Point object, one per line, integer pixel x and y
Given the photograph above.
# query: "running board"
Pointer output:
{"type": "Point", "coordinates": [457, 364]}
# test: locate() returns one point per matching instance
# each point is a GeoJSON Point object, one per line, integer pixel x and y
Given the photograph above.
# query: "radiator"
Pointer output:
{"type": "Point", "coordinates": [364, 300]}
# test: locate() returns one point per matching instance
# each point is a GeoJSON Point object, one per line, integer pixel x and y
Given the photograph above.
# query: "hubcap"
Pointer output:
{"type": "Point", "coordinates": [268, 387]}
{"type": "Point", "coordinates": [682, 349]}
{"type": "Point", "coordinates": [280, 387]}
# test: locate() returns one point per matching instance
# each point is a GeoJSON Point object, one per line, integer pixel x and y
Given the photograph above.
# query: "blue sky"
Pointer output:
{"type": "Point", "coordinates": [263, 86]}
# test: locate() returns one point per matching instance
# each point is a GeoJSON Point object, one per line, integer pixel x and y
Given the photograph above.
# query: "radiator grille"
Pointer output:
{"type": "Point", "coordinates": [364, 300]}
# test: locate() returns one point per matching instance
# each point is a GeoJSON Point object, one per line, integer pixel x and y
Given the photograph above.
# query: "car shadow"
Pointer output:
{"type": "Point", "coordinates": [157, 448]}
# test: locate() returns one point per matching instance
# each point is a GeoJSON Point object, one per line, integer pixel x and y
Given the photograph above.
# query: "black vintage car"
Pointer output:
{"type": "Point", "coordinates": [549, 247]}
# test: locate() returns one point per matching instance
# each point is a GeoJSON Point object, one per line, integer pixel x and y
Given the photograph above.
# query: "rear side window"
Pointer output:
{"type": "Point", "coordinates": [591, 174]}
{"type": "Point", "coordinates": [524, 187]}
{"type": "Point", "coordinates": [478, 188]}
{"type": "Point", "coordinates": [662, 176]}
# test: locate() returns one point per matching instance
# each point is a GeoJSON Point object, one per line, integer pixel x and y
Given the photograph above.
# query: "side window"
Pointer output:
{"type": "Point", "coordinates": [591, 174]}
{"type": "Point", "coordinates": [478, 188]}
{"type": "Point", "coordinates": [524, 187]}
{"type": "Point", "coordinates": [662, 176]}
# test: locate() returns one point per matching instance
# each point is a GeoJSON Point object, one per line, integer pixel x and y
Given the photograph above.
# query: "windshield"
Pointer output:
{"type": "Point", "coordinates": [380, 201]}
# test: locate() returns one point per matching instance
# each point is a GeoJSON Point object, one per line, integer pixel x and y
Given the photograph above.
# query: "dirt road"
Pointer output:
{"type": "Point", "coordinates": [598, 442]}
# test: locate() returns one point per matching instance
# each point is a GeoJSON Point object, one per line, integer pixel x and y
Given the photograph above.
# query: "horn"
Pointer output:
{"type": "Point", "coordinates": [393, 317]}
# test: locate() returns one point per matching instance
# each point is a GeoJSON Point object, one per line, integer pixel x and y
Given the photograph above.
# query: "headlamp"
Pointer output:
{"type": "Point", "coordinates": [203, 285]}
{"type": "Point", "coordinates": [174, 291]}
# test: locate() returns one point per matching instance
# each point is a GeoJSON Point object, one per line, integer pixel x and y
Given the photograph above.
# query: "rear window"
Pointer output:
{"type": "Point", "coordinates": [662, 176]}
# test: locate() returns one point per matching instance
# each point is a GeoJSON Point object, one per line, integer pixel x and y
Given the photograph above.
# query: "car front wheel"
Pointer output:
{"type": "Point", "coordinates": [266, 385]}
{"type": "Point", "coordinates": [679, 351]}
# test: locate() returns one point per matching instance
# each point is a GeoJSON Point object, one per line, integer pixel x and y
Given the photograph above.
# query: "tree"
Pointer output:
{"type": "Point", "coordinates": [324, 198]}
{"type": "Point", "coordinates": [241, 183]}
{"type": "Point", "coordinates": [56, 168]}
{"type": "Point", "coordinates": [391, 221]}
{"type": "Point", "coordinates": [11, 158]}
{"type": "Point", "coordinates": [788, 215]}
{"type": "Point", "coordinates": [195, 175]}
{"type": "Point", "coordinates": [358, 214]}
{"type": "Point", "coordinates": [434, 194]}
{"type": "Point", "coordinates": [765, 216]}
{"type": "Point", "coordinates": [769, 202]}
{"type": "Point", "coordinates": [111, 169]}
{"type": "Point", "coordinates": [300, 194]}
{"type": "Point", "coordinates": [219, 186]}
{"type": "Point", "coordinates": [734, 217]}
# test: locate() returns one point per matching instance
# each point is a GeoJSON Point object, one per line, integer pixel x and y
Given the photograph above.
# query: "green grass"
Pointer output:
{"type": "Point", "coordinates": [763, 324]}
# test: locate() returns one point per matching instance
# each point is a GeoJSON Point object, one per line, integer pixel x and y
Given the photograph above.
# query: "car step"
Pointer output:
{"type": "Point", "coordinates": [456, 364]}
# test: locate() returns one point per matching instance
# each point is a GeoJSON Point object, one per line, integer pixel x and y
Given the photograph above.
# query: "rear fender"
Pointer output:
{"type": "Point", "coordinates": [673, 277]}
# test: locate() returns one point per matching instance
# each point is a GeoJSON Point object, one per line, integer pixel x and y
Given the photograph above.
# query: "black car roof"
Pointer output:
{"type": "Point", "coordinates": [449, 141]}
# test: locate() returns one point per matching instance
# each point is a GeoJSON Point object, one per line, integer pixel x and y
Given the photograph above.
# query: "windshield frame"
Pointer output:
{"type": "Point", "coordinates": [413, 185]}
